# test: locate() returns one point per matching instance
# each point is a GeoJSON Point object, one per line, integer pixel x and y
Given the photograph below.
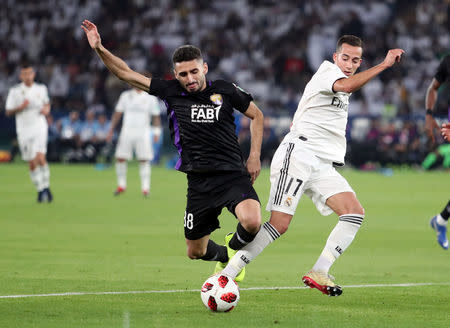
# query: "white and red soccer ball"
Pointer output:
{"type": "Point", "coordinates": [220, 293]}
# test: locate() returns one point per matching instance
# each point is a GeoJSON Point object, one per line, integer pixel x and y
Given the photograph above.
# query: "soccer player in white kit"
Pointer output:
{"type": "Point", "coordinates": [137, 108]}
{"type": "Point", "coordinates": [305, 161]}
{"type": "Point", "coordinates": [29, 103]}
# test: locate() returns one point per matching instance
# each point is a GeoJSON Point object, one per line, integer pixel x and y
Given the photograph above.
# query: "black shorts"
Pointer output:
{"type": "Point", "coordinates": [208, 193]}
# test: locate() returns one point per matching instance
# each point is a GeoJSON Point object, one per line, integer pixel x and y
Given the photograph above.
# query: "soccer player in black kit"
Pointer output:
{"type": "Point", "coordinates": [438, 222]}
{"type": "Point", "coordinates": [202, 128]}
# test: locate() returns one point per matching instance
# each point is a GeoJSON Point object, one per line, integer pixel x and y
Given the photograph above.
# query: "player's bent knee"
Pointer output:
{"type": "Point", "coordinates": [251, 223]}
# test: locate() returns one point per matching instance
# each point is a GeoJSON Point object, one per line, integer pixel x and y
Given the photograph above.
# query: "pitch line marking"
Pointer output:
{"type": "Point", "coordinates": [198, 290]}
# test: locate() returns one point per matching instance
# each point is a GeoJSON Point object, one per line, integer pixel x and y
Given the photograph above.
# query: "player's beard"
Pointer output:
{"type": "Point", "coordinates": [200, 85]}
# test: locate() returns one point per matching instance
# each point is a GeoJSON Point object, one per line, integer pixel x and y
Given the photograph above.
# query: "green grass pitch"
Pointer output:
{"type": "Point", "coordinates": [90, 242]}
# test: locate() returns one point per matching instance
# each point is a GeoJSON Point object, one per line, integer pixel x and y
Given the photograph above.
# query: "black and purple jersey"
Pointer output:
{"type": "Point", "coordinates": [443, 76]}
{"type": "Point", "coordinates": [202, 124]}
{"type": "Point", "coordinates": [443, 72]}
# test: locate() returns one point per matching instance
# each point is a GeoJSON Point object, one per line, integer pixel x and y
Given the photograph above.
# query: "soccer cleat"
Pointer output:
{"type": "Point", "coordinates": [119, 191]}
{"type": "Point", "coordinates": [40, 196]}
{"type": "Point", "coordinates": [49, 195]}
{"type": "Point", "coordinates": [230, 252]}
{"type": "Point", "coordinates": [323, 282]}
{"type": "Point", "coordinates": [145, 193]}
{"type": "Point", "coordinates": [441, 232]}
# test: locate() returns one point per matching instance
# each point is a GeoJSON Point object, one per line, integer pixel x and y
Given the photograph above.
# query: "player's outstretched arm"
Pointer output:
{"type": "Point", "coordinates": [116, 65]}
{"type": "Point", "coordinates": [356, 81]}
{"type": "Point", "coordinates": [256, 132]}
{"type": "Point", "coordinates": [446, 131]}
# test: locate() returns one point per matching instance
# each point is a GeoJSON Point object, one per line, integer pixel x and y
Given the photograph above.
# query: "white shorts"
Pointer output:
{"type": "Point", "coordinates": [139, 143]}
{"type": "Point", "coordinates": [296, 170]}
{"type": "Point", "coordinates": [32, 144]}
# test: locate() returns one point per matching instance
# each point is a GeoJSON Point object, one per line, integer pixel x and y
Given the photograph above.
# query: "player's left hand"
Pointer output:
{"type": "Point", "coordinates": [393, 56]}
{"type": "Point", "coordinates": [253, 167]}
{"type": "Point", "coordinates": [45, 110]}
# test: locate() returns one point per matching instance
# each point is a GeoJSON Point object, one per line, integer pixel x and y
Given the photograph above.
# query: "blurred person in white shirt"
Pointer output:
{"type": "Point", "coordinates": [138, 109]}
{"type": "Point", "coordinates": [29, 103]}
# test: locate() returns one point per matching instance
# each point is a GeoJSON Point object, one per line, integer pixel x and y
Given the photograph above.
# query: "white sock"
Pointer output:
{"type": "Point", "coordinates": [244, 256]}
{"type": "Point", "coordinates": [121, 171]}
{"type": "Point", "coordinates": [36, 178]}
{"type": "Point", "coordinates": [440, 220]}
{"type": "Point", "coordinates": [340, 238]}
{"type": "Point", "coordinates": [144, 173]}
{"type": "Point", "coordinates": [45, 174]}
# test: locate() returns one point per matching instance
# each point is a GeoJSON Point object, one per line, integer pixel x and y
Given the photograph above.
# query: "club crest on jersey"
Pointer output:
{"type": "Point", "coordinates": [288, 202]}
{"type": "Point", "coordinates": [216, 99]}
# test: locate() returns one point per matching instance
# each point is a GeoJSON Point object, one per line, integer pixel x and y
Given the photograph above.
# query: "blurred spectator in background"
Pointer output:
{"type": "Point", "coordinates": [54, 137]}
{"type": "Point", "coordinates": [70, 136]}
{"type": "Point", "coordinates": [256, 44]}
{"type": "Point", "coordinates": [87, 140]}
{"type": "Point", "coordinates": [102, 146]}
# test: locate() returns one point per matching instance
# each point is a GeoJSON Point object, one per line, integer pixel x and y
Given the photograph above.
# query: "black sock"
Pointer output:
{"type": "Point", "coordinates": [446, 212]}
{"type": "Point", "coordinates": [215, 252]}
{"type": "Point", "coordinates": [241, 238]}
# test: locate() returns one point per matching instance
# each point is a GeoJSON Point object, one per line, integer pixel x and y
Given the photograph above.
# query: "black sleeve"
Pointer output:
{"type": "Point", "coordinates": [240, 99]}
{"type": "Point", "coordinates": [443, 70]}
{"type": "Point", "coordinates": [158, 87]}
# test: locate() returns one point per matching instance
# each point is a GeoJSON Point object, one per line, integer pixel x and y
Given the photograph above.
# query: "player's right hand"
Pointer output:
{"type": "Point", "coordinates": [25, 104]}
{"type": "Point", "coordinates": [393, 56]}
{"type": "Point", "coordinates": [92, 34]}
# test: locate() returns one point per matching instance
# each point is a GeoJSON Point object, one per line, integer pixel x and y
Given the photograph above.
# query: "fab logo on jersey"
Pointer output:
{"type": "Point", "coordinates": [207, 113]}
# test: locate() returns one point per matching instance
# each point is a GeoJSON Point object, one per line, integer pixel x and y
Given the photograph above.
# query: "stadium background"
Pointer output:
{"type": "Point", "coordinates": [269, 48]}
{"type": "Point", "coordinates": [93, 260]}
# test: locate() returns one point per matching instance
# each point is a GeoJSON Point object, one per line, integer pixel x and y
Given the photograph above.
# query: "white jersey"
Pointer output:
{"type": "Point", "coordinates": [321, 115]}
{"type": "Point", "coordinates": [30, 120]}
{"type": "Point", "coordinates": [137, 108]}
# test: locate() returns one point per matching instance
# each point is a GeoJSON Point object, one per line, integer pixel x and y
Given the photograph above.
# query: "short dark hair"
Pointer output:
{"type": "Point", "coordinates": [186, 53]}
{"type": "Point", "coordinates": [349, 39]}
{"type": "Point", "coordinates": [25, 63]}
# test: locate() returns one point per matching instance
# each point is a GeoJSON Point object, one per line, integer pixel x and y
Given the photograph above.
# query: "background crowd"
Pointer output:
{"type": "Point", "coordinates": [270, 48]}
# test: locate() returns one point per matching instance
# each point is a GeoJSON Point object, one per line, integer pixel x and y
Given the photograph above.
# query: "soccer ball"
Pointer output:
{"type": "Point", "coordinates": [220, 293]}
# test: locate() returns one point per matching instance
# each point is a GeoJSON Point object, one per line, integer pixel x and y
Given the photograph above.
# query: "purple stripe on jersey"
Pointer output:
{"type": "Point", "coordinates": [177, 166]}
{"type": "Point", "coordinates": [176, 129]}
